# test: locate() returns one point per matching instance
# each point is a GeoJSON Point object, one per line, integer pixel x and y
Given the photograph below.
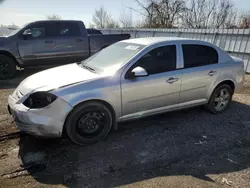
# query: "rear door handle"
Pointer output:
{"type": "Point", "coordinates": [79, 40]}
{"type": "Point", "coordinates": [211, 73]}
{"type": "Point", "coordinates": [48, 41]}
{"type": "Point", "coordinates": [172, 80]}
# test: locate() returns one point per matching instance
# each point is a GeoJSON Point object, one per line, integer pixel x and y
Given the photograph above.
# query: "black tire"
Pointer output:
{"type": "Point", "coordinates": [211, 106]}
{"type": "Point", "coordinates": [7, 67]}
{"type": "Point", "coordinates": [78, 122]}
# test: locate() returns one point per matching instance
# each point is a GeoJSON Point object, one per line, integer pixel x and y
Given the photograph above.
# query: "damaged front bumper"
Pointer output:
{"type": "Point", "coordinates": [47, 122]}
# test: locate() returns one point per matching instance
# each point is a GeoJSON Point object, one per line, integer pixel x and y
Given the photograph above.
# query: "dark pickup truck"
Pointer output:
{"type": "Point", "coordinates": [55, 42]}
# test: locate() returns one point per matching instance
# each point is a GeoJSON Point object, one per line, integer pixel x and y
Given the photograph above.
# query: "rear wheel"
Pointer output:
{"type": "Point", "coordinates": [7, 67]}
{"type": "Point", "coordinates": [88, 123]}
{"type": "Point", "coordinates": [220, 99]}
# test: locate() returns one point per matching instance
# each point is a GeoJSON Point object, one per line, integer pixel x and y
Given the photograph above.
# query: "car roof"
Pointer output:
{"type": "Point", "coordinates": [44, 21]}
{"type": "Point", "coordinates": [153, 40]}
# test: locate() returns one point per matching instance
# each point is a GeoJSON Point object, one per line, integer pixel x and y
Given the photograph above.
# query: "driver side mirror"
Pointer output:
{"type": "Point", "coordinates": [137, 72]}
{"type": "Point", "coordinates": [27, 33]}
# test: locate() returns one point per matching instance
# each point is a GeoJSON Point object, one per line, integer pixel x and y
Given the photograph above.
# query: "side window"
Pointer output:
{"type": "Point", "coordinates": [37, 31]}
{"type": "Point", "coordinates": [159, 60]}
{"type": "Point", "coordinates": [198, 55]}
{"type": "Point", "coordinates": [68, 29]}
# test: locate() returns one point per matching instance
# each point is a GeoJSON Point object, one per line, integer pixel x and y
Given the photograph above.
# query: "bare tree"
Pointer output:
{"type": "Point", "coordinates": [245, 20]}
{"type": "Point", "coordinates": [126, 19]}
{"type": "Point", "coordinates": [112, 24]}
{"type": "Point", "coordinates": [101, 17]}
{"type": "Point", "coordinates": [53, 17]}
{"type": "Point", "coordinates": [224, 14]}
{"type": "Point", "coordinates": [198, 13]}
{"type": "Point", "coordinates": [10, 27]}
{"type": "Point", "coordinates": [160, 13]}
{"type": "Point", "coordinates": [91, 25]}
{"type": "Point", "coordinates": [139, 23]}
{"type": "Point", "coordinates": [208, 14]}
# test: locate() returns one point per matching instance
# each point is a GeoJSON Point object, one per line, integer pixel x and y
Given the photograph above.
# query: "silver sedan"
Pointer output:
{"type": "Point", "coordinates": [127, 80]}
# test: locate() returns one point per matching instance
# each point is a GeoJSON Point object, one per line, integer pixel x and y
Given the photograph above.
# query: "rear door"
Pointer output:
{"type": "Point", "coordinates": [200, 71]}
{"type": "Point", "coordinates": [71, 46]}
{"type": "Point", "coordinates": [39, 47]}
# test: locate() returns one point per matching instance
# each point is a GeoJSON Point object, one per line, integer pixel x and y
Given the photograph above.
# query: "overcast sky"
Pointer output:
{"type": "Point", "coordinates": [20, 12]}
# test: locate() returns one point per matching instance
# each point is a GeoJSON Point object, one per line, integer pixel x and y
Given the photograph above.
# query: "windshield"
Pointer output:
{"type": "Point", "coordinates": [113, 56]}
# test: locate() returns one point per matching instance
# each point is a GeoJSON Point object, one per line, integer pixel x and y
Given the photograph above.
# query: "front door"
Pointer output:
{"type": "Point", "coordinates": [158, 90]}
{"type": "Point", "coordinates": [70, 44]}
{"type": "Point", "coordinates": [38, 48]}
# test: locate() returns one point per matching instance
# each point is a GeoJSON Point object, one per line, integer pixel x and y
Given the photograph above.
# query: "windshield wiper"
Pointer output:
{"type": "Point", "coordinates": [88, 68]}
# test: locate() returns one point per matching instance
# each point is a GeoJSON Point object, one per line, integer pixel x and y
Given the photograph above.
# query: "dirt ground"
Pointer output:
{"type": "Point", "coordinates": [188, 148]}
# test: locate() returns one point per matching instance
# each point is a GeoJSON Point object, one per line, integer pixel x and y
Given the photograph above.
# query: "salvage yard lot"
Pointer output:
{"type": "Point", "coordinates": [188, 148]}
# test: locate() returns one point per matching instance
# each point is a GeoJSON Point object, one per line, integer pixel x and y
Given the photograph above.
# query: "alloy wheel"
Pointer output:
{"type": "Point", "coordinates": [221, 99]}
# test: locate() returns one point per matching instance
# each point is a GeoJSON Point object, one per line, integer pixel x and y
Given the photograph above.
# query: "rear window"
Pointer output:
{"type": "Point", "coordinates": [198, 55]}
{"type": "Point", "coordinates": [67, 29]}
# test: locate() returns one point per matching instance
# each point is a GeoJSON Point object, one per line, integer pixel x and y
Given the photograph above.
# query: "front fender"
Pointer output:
{"type": "Point", "coordinates": [79, 94]}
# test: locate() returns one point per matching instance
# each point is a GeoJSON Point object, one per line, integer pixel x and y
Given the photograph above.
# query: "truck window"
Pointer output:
{"type": "Point", "coordinates": [66, 29]}
{"type": "Point", "coordinates": [38, 31]}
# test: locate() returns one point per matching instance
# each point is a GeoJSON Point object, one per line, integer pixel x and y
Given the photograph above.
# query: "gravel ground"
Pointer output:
{"type": "Point", "coordinates": [188, 148]}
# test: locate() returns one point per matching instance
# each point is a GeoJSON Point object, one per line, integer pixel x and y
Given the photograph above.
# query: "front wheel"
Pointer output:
{"type": "Point", "coordinates": [220, 99]}
{"type": "Point", "coordinates": [7, 67]}
{"type": "Point", "coordinates": [88, 123]}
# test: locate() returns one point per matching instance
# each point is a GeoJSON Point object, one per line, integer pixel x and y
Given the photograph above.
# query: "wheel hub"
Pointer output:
{"type": "Point", "coordinates": [3, 67]}
{"type": "Point", "coordinates": [222, 99]}
{"type": "Point", "coordinates": [89, 123]}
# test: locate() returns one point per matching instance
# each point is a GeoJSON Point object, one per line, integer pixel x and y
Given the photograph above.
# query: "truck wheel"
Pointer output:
{"type": "Point", "coordinates": [88, 123]}
{"type": "Point", "coordinates": [7, 67]}
{"type": "Point", "coordinates": [220, 99]}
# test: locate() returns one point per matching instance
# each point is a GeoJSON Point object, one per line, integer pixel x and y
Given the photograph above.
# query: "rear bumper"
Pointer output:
{"type": "Point", "coordinates": [47, 122]}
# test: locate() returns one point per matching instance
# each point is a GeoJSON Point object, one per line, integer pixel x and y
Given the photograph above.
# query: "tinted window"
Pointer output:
{"type": "Point", "coordinates": [67, 29]}
{"type": "Point", "coordinates": [159, 60]}
{"type": "Point", "coordinates": [38, 30]}
{"type": "Point", "coordinates": [199, 55]}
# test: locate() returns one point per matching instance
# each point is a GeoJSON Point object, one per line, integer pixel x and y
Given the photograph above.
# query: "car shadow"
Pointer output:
{"type": "Point", "coordinates": [188, 142]}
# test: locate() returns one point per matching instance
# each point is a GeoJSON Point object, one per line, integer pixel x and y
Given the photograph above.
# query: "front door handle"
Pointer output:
{"type": "Point", "coordinates": [211, 73]}
{"type": "Point", "coordinates": [172, 80]}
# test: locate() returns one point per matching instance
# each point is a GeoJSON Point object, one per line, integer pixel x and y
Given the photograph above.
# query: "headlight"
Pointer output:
{"type": "Point", "coordinates": [39, 100]}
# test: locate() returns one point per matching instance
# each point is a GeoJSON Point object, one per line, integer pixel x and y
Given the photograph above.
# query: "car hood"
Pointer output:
{"type": "Point", "coordinates": [55, 78]}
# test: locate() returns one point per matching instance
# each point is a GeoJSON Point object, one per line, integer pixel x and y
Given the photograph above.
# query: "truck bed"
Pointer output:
{"type": "Point", "coordinates": [98, 42]}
